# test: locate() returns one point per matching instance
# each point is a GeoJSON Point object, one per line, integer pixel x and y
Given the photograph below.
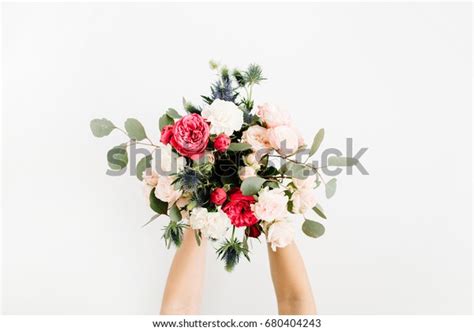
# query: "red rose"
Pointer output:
{"type": "Point", "coordinates": [218, 196]}
{"type": "Point", "coordinates": [238, 209]}
{"type": "Point", "coordinates": [166, 134]}
{"type": "Point", "coordinates": [222, 142]}
{"type": "Point", "coordinates": [253, 231]}
{"type": "Point", "coordinates": [190, 136]}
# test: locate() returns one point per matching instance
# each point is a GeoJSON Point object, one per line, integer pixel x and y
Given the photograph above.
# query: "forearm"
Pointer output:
{"type": "Point", "coordinates": [183, 291]}
{"type": "Point", "coordinates": [291, 283]}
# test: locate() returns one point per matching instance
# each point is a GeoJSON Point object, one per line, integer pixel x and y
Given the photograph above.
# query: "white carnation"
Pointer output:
{"type": "Point", "coordinates": [224, 116]}
{"type": "Point", "coordinates": [217, 225]}
{"type": "Point", "coordinates": [198, 218]}
{"type": "Point", "coordinates": [212, 224]}
{"type": "Point", "coordinates": [271, 205]}
{"type": "Point", "coordinates": [280, 234]}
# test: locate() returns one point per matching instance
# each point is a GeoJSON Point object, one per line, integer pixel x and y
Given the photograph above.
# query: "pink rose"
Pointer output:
{"type": "Point", "coordinates": [257, 137]}
{"type": "Point", "coordinates": [218, 196]}
{"type": "Point", "coordinates": [222, 142]}
{"type": "Point", "coordinates": [166, 134]}
{"type": "Point", "coordinates": [190, 136]}
{"type": "Point", "coordinates": [284, 139]}
{"type": "Point", "coordinates": [272, 116]}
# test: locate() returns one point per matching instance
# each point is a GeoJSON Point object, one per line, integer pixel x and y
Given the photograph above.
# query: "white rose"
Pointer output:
{"type": "Point", "coordinates": [280, 234]}
{"type": "Point", "coordinates": [284, 139]}
{"type": "Point", "coordinates": [257, 137]}
{"type": "Point", "coordinates": [271, 205]}
{"type": "Point", "coordinates": [198, 218]}
{"type": "Point", "coordinates": [273, 116]}
{"type": "Point", "coordinates": [246, 172]}
{"type": "Point", "coordinates": [303, 200]}
{"type": "Point", "coordinates": [305, 184]}
{"type": "Point", "coordinates": [224, 116]}
{"type": "Point", "coordinates": [217, 225]}
{"type": "Point", "coordinates": [165, 190]}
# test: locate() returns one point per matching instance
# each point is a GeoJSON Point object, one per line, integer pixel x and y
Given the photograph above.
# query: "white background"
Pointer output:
{"type": "Point", "coordinates": [396, 78]}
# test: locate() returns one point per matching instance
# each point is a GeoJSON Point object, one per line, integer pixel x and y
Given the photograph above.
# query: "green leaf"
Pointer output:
{"type": "Point", "coordinates": [154, 217]}
{"type": "Point", "coordinates": [319, 210]}
{"type": "Point", "coordinates": [173, 113]}
{"type": "Point", "coordinates": [117, 157]}
{"type": "Point", "coordinates": [157, 205]}
{"type": "Point", "coordinates": [142, 165]}
{"type": "Point", "coordinates": [300, 171]}
{"type": "Point", "coordinates": [135, 129]}
{"type": "Point", "coordinates": [312, 229]}
{"type": "Point", "coordinates": [239, 147]}
{"type": "Point", "coordinates": [101, 127]}
{"type": "Point", "coordinates": [330, 188]}
{"type": "Point", "coordinates": [318, 139]}
{"type": "Point", "coordinates": [164, 121]}
{"type": "Point", "coordinates": [342, 161]}
{"type": "Point", "coordinates": [175, 214]}
{"type": "Point", "coordinates": [252, 185]}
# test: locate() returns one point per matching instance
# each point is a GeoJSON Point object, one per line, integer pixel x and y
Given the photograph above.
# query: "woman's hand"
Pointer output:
{"type": "Point", "coordinates": [183, 291]}
{"type": "Point", "coordinates": [292, 287]}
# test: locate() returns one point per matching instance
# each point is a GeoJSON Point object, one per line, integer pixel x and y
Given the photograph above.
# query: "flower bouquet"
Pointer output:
{"type": "Point", "coordinates": [229, 170]}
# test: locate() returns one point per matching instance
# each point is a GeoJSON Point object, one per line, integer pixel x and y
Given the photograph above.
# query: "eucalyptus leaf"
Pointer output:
{"type": "Point", "coordinates": [318, 139]}
{"type": "Point", "coordinates": [164, 121]}
{"type": "Point", "coordinates": [239, 147]}
{"type": "Point", "coordinates": [319, 210]}
{"type": "Point", "coordinates": [301, 171]}
{"type": "Point", "coordinates": [252, 185]}
{"type": "Point", "coordinates": [312, 229]}
{"type": "Point", "coordinates": [117, 157]}
{"type": "Point", "coordinates": [101, 127]}
{"type": "Point", "coordinates": [157, 205]}
{"type": "Point", "coordinates": [135, 129]}
{"type": "Point", "coordinates": [331, 188]}
{"type": "Point", "coordinates": [142, 165]}
{"type": "Point", "coordinates": [342, 161]}
{"type": "Point", "coordinates": [173, 113]}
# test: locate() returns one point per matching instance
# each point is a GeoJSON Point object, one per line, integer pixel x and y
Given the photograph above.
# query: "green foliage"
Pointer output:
{"type": "Point", "coordinates": [117, 157]}
{"type": "Point", "coordinates": [173, 113]}
{"type": "Point", "coordinates": [239, 147]}
{"type": "Point", "coordinates": [341, 161]}
{"type": "Point", "coordinates": [331, 188]}
{"type": "Point", "coordinates": [252, 185]}
{"type": "Point", "coordinates": [164, 121]}
{"type": "Point", "coordinates": [154, 217]}
{"type": "Point", "coordinates": [101, 127]}
{"type": "Point", "coordinates": [173, 233]}
{"type": "Point", "coordinates": [142, 165]}
{"type": "Point", "coordinates": [319, 210]}
{"type": "Point", "coordinates": [135, 129]}
{"type": "Point", "coordinates": [157, 205]}
{"type": "Point", "coordinates": [253, 75]}
{"type": "Point", "coordinates": [312, 229]}
{"type": "Point", "coordinates": [318, 139]}
{"type": "Point", "coordinates": [231, 251]}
